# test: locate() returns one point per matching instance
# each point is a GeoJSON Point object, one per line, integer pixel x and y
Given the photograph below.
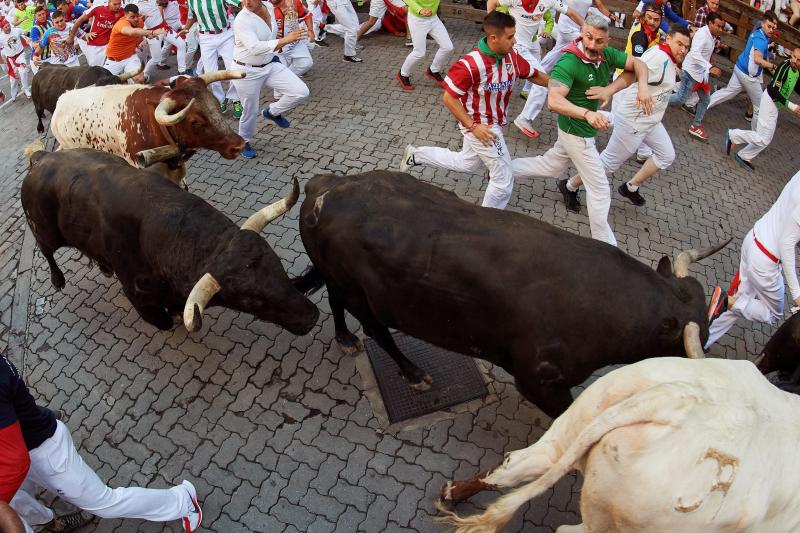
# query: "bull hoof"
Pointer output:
{"type": "Point", "coordinates": [349, 344]}
{"type": "Point", "coordinates": [423, 383]}
{"type": "Point", "coordinates": [57, 279]}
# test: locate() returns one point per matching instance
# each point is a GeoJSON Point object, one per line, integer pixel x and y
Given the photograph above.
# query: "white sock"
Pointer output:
{"type": "Point", "coordinates": [632, 187]}
{"type": "Point", "coordinates": [570, 188]}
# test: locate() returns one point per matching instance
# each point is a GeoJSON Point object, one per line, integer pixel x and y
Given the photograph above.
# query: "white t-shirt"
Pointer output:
{"type": "Point", "coordinates": [11, 43]}
{"type": "Point", "coordinates": [660, 82]}
{"type": "Point", "coordinates": [60, 52]}
{"type": "Point", "coordinates": [7, 12]}
{"type": "Point", "coordinates": [698, 61]}
{"type": "Point", "coordinates": [150, 10]}
{"type": "Point", "coordinates": [529, 22]}
{"type": "Point", "coordinates": [779, 231]}
{"type": "Point", "coordinates": [566, 24]}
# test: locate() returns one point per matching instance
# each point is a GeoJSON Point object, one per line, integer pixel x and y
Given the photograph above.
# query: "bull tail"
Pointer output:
{"type": "Point", "coordinates": [309, 282]}
{"type": "Point", "coordinates": [33, 148]}
{"type": "Point", "coordinates": [663, 404]}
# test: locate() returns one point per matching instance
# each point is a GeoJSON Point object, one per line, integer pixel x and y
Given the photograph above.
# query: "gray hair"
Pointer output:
{"type": "Point", "coordinates": [596, 21]}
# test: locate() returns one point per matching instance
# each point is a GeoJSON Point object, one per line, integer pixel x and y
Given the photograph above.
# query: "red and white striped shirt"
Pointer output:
{"type": "Point", "coordinates": [484, 86]}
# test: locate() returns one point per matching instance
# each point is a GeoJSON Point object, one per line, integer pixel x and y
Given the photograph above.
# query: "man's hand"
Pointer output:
{"type": "Point", "coordinates": [425, 12]}
{"type": "Point", "coordinates": [37, 60]}
{"type": "Point", "coordinates": [296, 35]}
{"type": "Point", "coordinates": [484, 134]}
{"type": "Point", "coordinates": [603, 94]}
{"type": "Point", "coordinates": [181, 32]}
{"type": "Point", "coordinates": [86, 37]}
{"type": "Point", "coordinates": [71, 40]}
{"type": "Point", "coordinates": [546, 35]}
{"type": "Point", "coordinates": [159, 31]}
{"type": "Point", "coordinates": [715, 71]}
{"type": "Point", "coordinates": [597, 120]}
{"type": "Point", "coordinates": [644, 102]}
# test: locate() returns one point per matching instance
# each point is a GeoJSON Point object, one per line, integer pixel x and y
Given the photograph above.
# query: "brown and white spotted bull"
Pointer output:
{"type": "Point", "coordinates": [51, 81]}
{"type": "Point", "coordinates": [131, 121]}
{"type": "Point", "coordinates": [666, 445]}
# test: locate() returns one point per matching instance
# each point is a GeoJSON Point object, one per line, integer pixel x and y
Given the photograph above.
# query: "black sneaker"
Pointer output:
{"type": "Point", "coordinates": [634, 196]}
{"type": "Point", "coordinates": [405, 82]}
{"type": "Point", "coordinates": [163, 67]}
{"type": "Point", "coordinates": [67, 522]}
{"type": "Point", "coordinates": [435, 76]}
{"type": "Point", "coordinates": [688, 109]}
{"type": "Point", "coordinates": [571, 199]}
{"type": "Point", "coordinates": [352, 59]}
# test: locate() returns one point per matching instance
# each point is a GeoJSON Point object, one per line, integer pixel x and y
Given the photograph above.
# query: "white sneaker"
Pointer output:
{"type": "Point", "coordinates": [408, 158]}
{"type": "Point", "coordinates": [195, 515]}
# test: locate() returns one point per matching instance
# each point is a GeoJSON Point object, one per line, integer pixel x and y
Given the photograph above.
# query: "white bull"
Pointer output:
{"type": "Point", "coordinates": [665, 445]}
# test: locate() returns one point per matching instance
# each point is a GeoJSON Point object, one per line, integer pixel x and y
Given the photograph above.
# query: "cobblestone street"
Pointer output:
{"type": "Point", "coordinates": [277, 432]}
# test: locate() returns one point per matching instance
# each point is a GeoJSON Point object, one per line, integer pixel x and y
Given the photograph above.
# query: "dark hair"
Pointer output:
{"type": "Point", "coordinates": [679, 28]}
{"type": "Point", "coordinates": [496, 21]}
{"type": "Point", "coordinates": [770, 16]}
{"type": "Point", "coordinates": [38, 9]}
{"type": "Point", "coordinates": [654, 8]}
{"type": "Point", "coordinates": [56, 15]}
{"type": "Point", "coordinates": [131, 8]}
{"type": "Point", "coordinates": [711, 17]}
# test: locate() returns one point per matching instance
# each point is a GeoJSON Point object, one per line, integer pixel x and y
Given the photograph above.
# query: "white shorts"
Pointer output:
{"type": "Point", "coordinates": [132, 64]}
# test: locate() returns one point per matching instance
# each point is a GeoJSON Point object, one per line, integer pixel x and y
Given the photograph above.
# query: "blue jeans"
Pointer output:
{"type": "Point", "coordinates": [684, 90]}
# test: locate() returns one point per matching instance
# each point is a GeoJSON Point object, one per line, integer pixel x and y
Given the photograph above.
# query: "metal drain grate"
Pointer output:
{"type": "Point", "coordinates": [456, 378]}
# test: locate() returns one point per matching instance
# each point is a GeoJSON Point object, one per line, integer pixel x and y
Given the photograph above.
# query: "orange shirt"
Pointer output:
{"type": "Point", "coordinates": [121, 46]}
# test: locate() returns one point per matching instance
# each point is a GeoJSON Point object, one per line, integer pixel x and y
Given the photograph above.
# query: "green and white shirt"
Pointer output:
{"type": "Point", "coordinates": [211, 15]}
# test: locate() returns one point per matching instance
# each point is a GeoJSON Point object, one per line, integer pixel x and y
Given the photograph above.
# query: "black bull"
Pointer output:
{"type": "Point", "coordinates": [171, 250]}
{"type": "Point", "coordinates": [548, 306]}
{"type": "Point", "coordinates": [54, 80]}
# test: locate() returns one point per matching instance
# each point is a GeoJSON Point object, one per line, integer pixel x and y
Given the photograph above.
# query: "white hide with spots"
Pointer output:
{"type": "Point", "coordinates": [90, 118]}
{"type": "Point", "coordinates": [666, 445]}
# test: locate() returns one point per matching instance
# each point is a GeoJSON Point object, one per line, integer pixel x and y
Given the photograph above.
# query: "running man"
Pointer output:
{"type": "Point", "coordinates": [422, 21]}
{"type": "Point", "coordinates": [586, 63]}
{"type": "Point", "coordinates": [477, 91]}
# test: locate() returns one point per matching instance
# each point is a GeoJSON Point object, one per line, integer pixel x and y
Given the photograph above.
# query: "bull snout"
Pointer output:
{"type": "Point", "coordinates": [304, 320]}
{"type": "Point", "coordinates": [233, 149]}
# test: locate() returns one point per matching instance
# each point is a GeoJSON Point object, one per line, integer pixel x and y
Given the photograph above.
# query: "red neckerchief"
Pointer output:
{"type": "Point", "coordinates": [650, 33]}
{"type": "Point", "coordinates": [667, 50]}
{"type": "Point", "coordinates": [529, 5]}
{"type": "Point", "coordinates": [573, 48]}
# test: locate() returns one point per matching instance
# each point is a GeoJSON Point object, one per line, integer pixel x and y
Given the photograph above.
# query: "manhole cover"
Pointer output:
{"type": "Point", "coordinates": [456, 378]}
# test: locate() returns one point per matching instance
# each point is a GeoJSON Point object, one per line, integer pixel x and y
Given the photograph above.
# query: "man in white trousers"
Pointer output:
{"type": "Point", "coordinates": [346, 26]}
{"type": "Point", "coordinates": [255, 30]}
{"type": "Point", "coordinates": [171, 12]}
{"type": "Point", "coordinates": [290, 15]}
{"type": "Point", "coordinates": [749, 66]}
{"type": "Point", "coordinates": [423, 20]}
{"type": "Point", "coordinates": [13, 52]}
{"type": "Point", "coordinates": [530, 17]}
{"type": "Point", "coordinates": [632, 128]}
{"type": "Point", "coordinates": [102, 19]}
{"type": "Point", "coordinates": [377, 10]}
{"type": "Point", "coordinates": [152, 11]}
{"type": "Point", "coordinates": [487, 74]}
{"type": "Point", "coordinates": [768, 256]}
{"type": "Point", "coordinates": [52, 462]}
{"type": "Point", "coordinates": [215, 38]}
{"type": "Point", "coordinates": [585, 66]}
{"type": "Point", "coordinates": [774, 97]}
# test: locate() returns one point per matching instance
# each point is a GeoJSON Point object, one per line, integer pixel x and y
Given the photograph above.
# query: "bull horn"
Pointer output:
{"type": "Point", "coordinates": [198, 299]}
{"type": "Point", "coordinates": [691, 341]}
{"type": "Point", "coordinates": [222, 75]}
{"type": "Point", "coordinates": [125, 76]}
{"type": "Point", "coordinates": [145, 158]}
{"type": "Point", "coordinates": [261, 218]}
{"type": "Point", "coordinates": [759, 361]}
{"type": "Point", "coordinates": [166, 117]}
{"type": "Point", "coordinates": [684, 259]}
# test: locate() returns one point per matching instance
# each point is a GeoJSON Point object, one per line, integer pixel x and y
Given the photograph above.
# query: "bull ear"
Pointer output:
{"type": "Point", "coordinates": [665, 267]}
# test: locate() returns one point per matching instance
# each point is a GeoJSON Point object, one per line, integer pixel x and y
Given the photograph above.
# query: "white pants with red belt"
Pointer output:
{"type": "Point", "coordinates": [18, 75]}
{"type": "Point", "coordinates": [212, 47]}
{"type": "Point", "coordinates": [157, 55]}
{"type": "Point", "coordinates": [474, 156]}
{"type": "Point", "coordinates": [583, 154]}
{"type": "Point", "coordinates": [58, 467]}
{"type": "Point", "coordinates": [181, 50]}
{"type": "Point", "coordinates": [760, 136]}
{"type": "Point", "coordinates": [760, 296]}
